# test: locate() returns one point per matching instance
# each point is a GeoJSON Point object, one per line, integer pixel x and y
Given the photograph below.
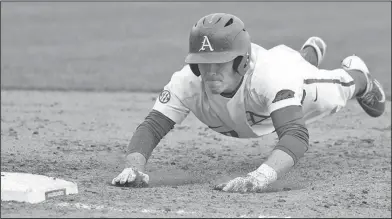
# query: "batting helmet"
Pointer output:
{"type": "Point", "coordinates": [219, 38]}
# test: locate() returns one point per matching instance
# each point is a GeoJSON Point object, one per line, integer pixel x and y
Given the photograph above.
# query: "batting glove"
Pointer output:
{"type": "Point", "coordinates": [131, 177]}
{"type": "Point", "coordinates": [256, 181]}
{"type": "Point", "coordinates": [249, 183]}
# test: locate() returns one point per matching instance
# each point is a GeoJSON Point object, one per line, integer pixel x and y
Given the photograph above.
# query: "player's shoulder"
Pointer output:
{"type": "Point", "coordinates": [184, 83]}
{"type": "Point", "coordinates": [277, 62]}
{"type": "Point", "coordinates": [273, 71]}
{"type": "Point", "coordinates": [258, 50]}
{"type": "Point", "coordinates": [283, 50]}
{"type": "Point", "coordinates": [275, 56]}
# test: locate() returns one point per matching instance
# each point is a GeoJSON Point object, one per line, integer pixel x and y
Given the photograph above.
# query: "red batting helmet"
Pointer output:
{"type": "Point", "coordinates": [219, 38]}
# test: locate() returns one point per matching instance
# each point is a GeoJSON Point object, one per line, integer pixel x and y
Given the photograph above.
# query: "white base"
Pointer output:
{"type": "Point", "coordinates": [32, 188]}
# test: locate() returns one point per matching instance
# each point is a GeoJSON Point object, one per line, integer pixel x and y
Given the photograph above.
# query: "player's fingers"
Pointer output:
{"type": "Point", "coordinates": [145, 178]}
{"type": "Point", "coordinates": [118, 178]}
{"type": "Point", "coordinates": [115, 180]}
{"type": "Point", "coordinates": [131, 176]}
{"type": "Point", "coordinates": [123, 179]}
{"type": "Point", "coordinates": [219, 186]}
{"type": "Point", "coordinates": [229, 187]}
{"type": "Point", "coordinates": [124, 175]}
{"type": "Point", "coordinates": [238, 187]}
{"type": "Point", "coordinates": [244, 187]}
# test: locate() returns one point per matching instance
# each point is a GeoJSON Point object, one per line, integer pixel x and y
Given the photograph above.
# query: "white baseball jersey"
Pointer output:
{"type": "Point", "coordinates": [277, 78]}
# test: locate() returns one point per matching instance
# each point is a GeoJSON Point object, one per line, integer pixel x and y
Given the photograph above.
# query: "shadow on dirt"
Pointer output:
{"type": "Point", "coordinates": [282, 185]}
{"type": "Point", "coordinates": [173, 177]}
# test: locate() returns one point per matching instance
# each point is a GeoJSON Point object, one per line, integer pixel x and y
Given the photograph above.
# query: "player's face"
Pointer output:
{"type": "Point", "coordinates": [219, 77]}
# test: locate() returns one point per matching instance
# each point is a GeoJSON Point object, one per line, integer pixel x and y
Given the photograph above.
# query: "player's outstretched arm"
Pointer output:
{"type": "Point", "coordinates": [293, 139]}
{"type": "Point", "coordinates": [293, 143]}
{"type": "Point", "coordinates": [169, 109]}
{"type": "Point", "coordinates": [146, 137]}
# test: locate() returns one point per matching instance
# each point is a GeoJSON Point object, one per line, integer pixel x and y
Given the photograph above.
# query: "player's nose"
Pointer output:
{"type": "Point", "coordinates": [210, 76]}
{"type": "Point", "coordinates": [210, 71]}
{"type": "Point", "coordinates": [212, 67]}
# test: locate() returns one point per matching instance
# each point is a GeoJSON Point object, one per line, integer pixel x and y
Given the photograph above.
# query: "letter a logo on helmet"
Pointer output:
{"type": "Point", "coordinates": [219, 38]}
{"type": "Point", "coordinates": [206, 42]}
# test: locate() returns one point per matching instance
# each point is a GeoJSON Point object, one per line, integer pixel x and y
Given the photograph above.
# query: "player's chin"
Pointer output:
{"type": "Point", "coordinates": [215, 87]}
{"type": "Point", "coordinates": [216, 91]}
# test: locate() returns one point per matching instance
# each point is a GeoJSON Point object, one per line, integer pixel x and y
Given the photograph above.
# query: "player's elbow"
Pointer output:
{"type": "Point", "coordinates": [294, 140]}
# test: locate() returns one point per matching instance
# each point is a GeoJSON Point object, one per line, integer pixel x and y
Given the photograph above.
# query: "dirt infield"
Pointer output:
{"type": "Point", "coordinates": [82, 137]}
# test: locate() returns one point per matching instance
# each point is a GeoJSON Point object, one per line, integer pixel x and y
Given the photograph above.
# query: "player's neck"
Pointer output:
{"type": "Point", "coordinates": [230, 94]}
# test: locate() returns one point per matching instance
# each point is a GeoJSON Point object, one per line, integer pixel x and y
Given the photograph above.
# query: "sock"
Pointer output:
{"type": "Point", "coordinates": [310, 55]}
{"type": "Point", "coordinates": [359, 80]}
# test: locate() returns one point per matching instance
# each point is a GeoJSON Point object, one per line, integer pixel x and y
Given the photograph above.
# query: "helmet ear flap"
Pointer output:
{"type": "Point", "coordinates": [241, 64]}
{"type": "Point", "coordinates": [195, 69]}
{"type": "Point", "coordinates": [237, 62]}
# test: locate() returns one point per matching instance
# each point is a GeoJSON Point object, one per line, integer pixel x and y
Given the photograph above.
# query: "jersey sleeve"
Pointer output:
{"type": "Point", "coordinates": [281, 84]}
{"type": "Point", "coordinates": [284, 93]}
{"type": "Point", "coordinates": [170, 101]}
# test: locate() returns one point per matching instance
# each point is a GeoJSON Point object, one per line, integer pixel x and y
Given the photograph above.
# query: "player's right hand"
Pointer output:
{"type": "Point", "coordinates": [131, 177]}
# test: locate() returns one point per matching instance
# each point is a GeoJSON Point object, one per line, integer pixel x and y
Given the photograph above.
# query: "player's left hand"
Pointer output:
{"type": "Point", "coordinates": [245, 184]}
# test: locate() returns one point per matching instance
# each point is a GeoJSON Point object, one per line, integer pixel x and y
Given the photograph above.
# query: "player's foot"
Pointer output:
{"type": "Point", "coordinates": [372, 100]}
{"type": "Point", "coordinates": [318, 45]}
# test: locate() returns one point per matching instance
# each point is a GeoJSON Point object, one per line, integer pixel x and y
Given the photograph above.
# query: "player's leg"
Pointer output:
{"type": "Point", "coordinates": [368, 91]}
{"type": "Point", "coordinates": [328, 91]}
{"type": "Point", "coordinates": [325, 92]}
{"type": "Point", "coordinates": [313, 50]}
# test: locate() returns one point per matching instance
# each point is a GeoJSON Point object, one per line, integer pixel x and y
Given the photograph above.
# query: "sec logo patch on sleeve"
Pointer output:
{"type": "Point", "coordinates": [283, 94]}
{"type": "Point", "coordinates": [164, 97]}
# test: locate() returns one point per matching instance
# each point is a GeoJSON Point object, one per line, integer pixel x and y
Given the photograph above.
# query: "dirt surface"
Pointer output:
{"type": "Point", "coordinates": [82, 137]}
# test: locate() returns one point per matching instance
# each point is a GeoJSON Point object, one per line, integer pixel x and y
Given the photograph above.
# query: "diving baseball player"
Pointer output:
{"type": "Point", "coordinates": [240, 89]}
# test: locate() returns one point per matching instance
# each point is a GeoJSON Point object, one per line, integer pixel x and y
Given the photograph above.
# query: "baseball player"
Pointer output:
{"type": "Point", "coordinates": [240, 89]}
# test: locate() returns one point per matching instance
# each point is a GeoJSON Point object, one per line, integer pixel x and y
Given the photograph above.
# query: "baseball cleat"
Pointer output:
{"type": "Point", "coordinates": [373, 99]}
{"type": "Point", "coordinates": [319, 45]}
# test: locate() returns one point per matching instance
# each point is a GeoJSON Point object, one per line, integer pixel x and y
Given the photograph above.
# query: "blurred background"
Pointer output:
{"type": "Point", "coordinates": [137, 46]}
